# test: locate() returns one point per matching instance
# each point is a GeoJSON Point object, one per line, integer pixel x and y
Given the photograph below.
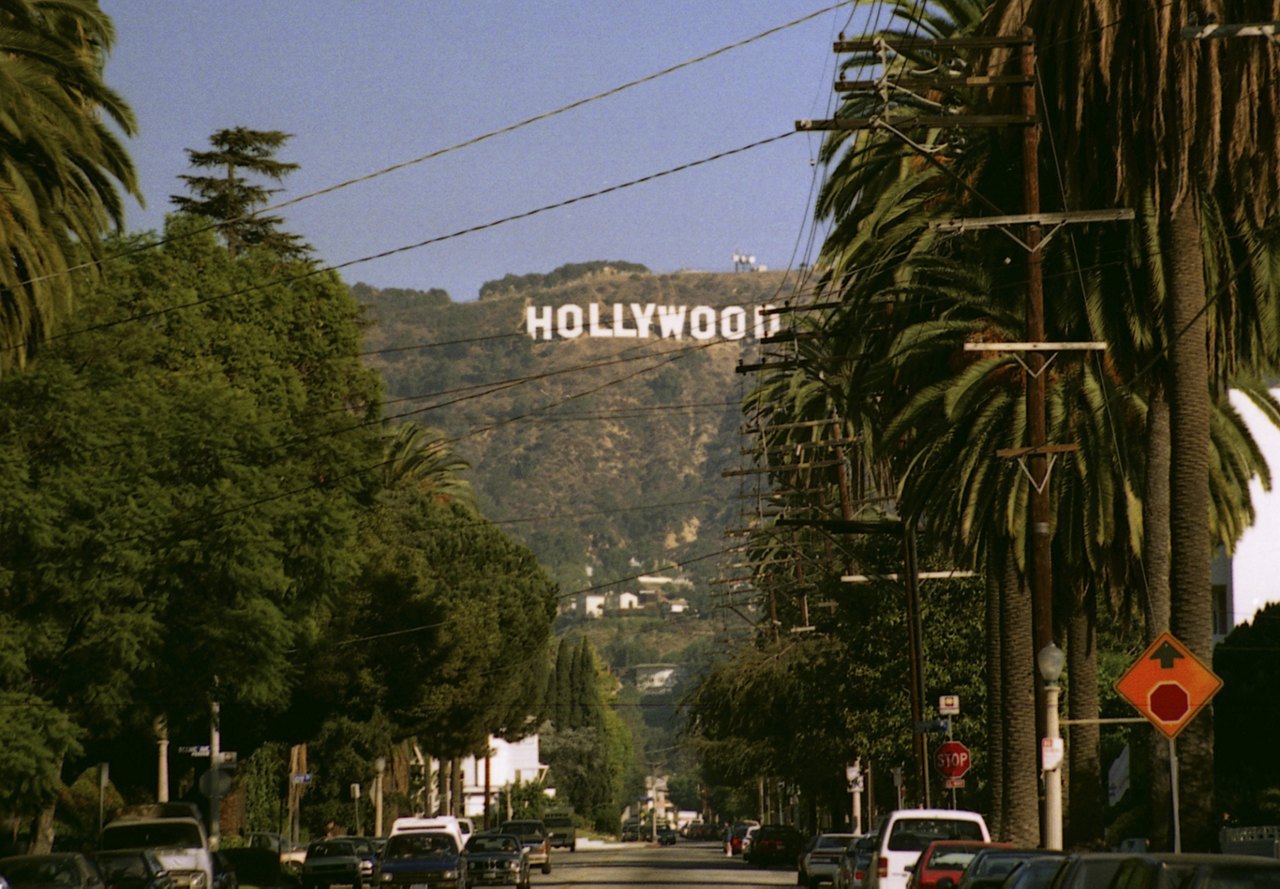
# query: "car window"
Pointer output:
{"type": "Point", "coordinates": [420, 845]}
{"type": "Point", "coordinates": [1241, 877]}
{"type": "Point", "coordinates": [144, 835]}
{"type": "Point", "coordinates": [915, 834]}
{"type": "Point", "coordinates": [493, 844]}
{"type": "Point", "coordinates": [951, 859]}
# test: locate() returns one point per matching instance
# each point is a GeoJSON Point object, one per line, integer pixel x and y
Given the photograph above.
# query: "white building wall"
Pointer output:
{"type": "Point", "coordinates": [1255, 582]}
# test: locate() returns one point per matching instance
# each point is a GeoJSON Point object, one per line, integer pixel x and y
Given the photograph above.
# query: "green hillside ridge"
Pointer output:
{"type": "Point", "coordinates": [573, 441]}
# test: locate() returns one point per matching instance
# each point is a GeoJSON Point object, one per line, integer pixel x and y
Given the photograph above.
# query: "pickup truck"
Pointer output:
{"type": "Point", "coordinates": [174, 833]}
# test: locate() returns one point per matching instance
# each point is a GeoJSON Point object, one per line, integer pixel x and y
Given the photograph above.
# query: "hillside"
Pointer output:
{"type": "Point", "coordinates": [603, 453]}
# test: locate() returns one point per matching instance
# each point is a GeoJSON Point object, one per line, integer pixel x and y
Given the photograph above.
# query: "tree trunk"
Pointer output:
{"type": "Point", "coordinates": [1021, 781]}
{"type": "Point", "coordinates": [1084, 775]}
{"type": "Point", "coordinates": [1191, 600]}
{"type": "Point", "coordinates": [1155, 601]}
{"type": "Point", "coordinates": [995, 700]}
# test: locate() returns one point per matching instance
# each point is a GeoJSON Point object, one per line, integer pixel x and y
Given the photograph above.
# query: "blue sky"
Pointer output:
{"type": "Point", "coordinates": [366, 84]}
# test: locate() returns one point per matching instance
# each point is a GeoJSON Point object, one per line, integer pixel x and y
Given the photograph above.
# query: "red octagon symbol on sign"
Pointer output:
{"type": "Point", "coordinates": [1169, 702]}
{"type": "Point", "coordinates": [952, 759]}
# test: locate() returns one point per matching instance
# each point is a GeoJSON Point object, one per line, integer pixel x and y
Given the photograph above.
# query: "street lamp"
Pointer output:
{"type": "Point", "coordinates": [379, 767]}
{"type": "Point", "coordinates": [1049, 660]}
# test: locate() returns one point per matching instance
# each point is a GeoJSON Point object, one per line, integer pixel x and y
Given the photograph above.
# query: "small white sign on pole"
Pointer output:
{"type": "Point", "coordinates": [1051, 752]}
{"type": "Point", "coordinates": [949, 705]}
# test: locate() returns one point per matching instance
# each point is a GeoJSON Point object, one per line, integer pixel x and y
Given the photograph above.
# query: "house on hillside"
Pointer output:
{"type": "Point", "coordinates": [654, 679]}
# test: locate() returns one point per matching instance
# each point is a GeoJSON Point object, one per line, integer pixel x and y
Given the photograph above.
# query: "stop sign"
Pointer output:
{"type": "Point", "coordinates": [952, 759]}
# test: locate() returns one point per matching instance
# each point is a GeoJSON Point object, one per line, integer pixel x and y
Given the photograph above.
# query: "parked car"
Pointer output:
{"type": "Point", "coordinates": [368, 855]}
{"type": "Point", "coordinates": [942, 863]}
{"type": "Point", "coordinates": [132, 869]}
{"type": "Point", "coordinates": [224, 872]}
{"type": "Point", "coordinates": [332, 862]}
{"type": "Point", "coordinates": [773, 844]}
{"type": "Point", "coordinates": [631, 832]}
{"type": "Point", "coordinates": [820, 858]}
{"type": "Point", "coordinates": [906, 833]}
{"type": "Point", "coordinates": [1189, 871]}
{"type": "Point", "coordinates": [989, 867]}
{"type": "Point", "coordinates": [533, 835]}
{"type": "Point", "coordinates": [855, 861]}
{"type": "Point", "coordinates": [666, 836]}
{"type": "Point", "coordinates": [1035, 873]}
{"type": "Point", "coordinates": [175, 831]}
{"type": "Point", "coordinates": [1088, 871]}
{"type": "Point", "coordinates": [422, 858]}
{"type": "Point", "coordinates": [289, 851]}
{"type": "Point", "coordinates": [55, 870]}
{"type": "Point", "coordinates": [735, 835]}
{"type": "Point", "coordinates": [497, 859]}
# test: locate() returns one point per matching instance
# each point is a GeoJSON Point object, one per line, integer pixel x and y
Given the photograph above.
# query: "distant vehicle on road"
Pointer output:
{"type": "Point", "coordinates": [497, 859]}
{"type": "Point", "coordinates": [422, 858]}
{"type": "Point", "coordinates": [533, 836]}
{"type": "Point", "coordinates": [332, 862]}
{"type": "Point", "coordinates": [666, 836]}
{"type": "Point", "coordinates": [562, 833]}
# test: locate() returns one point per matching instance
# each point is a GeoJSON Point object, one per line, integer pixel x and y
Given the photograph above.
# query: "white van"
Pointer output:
{"type": "Point", "coordinates": [459, 828]}
{"type": "Point", "coordinates": [907, 832]}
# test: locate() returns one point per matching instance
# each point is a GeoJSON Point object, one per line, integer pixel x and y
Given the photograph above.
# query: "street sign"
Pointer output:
{"type": "Point", "coordinates": [952, 759]}
{"type": "Point", "coordinates": [949, 705]}
{"type": "Point", "coordinates": [1051, 752]}
{"type": "Point", "coordinates": [1168, 685]}
{"type": "Point", "coordinates": [952, 783]}
{"type": "Point", "coordinates": [300, 777]}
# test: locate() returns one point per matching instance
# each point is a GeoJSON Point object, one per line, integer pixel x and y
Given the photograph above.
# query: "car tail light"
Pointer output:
{"type": "Point", "coordinates": [859, 875]}
{"type": "Point", "coordinates": [884, 866]}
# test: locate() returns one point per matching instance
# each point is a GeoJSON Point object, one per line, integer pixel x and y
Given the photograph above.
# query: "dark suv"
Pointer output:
{"type": "Point", "coordinates": [561, 831]}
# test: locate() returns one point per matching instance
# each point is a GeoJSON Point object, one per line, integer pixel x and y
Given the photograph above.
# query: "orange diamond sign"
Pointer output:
{"type": "Point", "coordinates": [1168, 684]}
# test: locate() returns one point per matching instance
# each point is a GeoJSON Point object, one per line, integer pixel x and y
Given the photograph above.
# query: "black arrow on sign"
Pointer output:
{"type": "Point", "coordinates": [1166, 654]}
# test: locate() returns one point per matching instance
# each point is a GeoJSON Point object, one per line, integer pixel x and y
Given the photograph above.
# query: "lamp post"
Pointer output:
{"type": "Point", "coordinates": [379, 768]}
{"type": "Point", "coordinates": [1049, 660]}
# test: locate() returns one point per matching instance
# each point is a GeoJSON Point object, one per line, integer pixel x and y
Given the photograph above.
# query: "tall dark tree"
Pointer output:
{"type": "Point", "coordinates": [61, 166]}
{"type": "Point", "coordinates": [227, 196]}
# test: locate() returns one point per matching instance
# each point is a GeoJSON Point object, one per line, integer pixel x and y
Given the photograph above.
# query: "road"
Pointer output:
{"type": "Point", "coordinates": [683, 866]}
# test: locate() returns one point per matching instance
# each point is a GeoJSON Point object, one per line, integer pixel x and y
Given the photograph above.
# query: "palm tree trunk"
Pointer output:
{"type": "Point", "coordinates": [1191, 604]}
{"type": "Point", "coordinates": [995, 701]}
{"type": "Point", "coordinates": [1084, 814]}
{"type": "Point", "coordinates": [1021, 779]}
{"type": "Point", "coordinates": [1155, 602]}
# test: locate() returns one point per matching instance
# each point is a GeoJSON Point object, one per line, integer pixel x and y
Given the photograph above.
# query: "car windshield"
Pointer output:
{"type": "Point", "coordinates": [831, 841]}
{"type": "Point", "coordinates": [558, 822]}
{"type": "Point", "coordinates": [149, 835]}
{"type": "Point", "coordinates": [996, 865]}
{"type": "Point", "coordinates": [1242, 877]}
{"type": "Point", "coordinates": [331, 849]}
{"type": "Point", "coordinates": [524, 829]}
{"type": "Point", "coordinates": [915, 834]}
{"type": "Point", "coordinates": [492, 843]}
{"type": "Point", "coordinates": [420, 845]}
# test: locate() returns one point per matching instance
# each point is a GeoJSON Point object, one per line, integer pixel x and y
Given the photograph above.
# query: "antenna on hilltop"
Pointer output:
{"type": "Point", "coordinates": [745, 263]}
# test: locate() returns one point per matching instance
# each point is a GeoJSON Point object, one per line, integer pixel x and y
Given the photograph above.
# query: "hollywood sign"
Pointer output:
{"type": "Point", "coordinates": [639, 321]}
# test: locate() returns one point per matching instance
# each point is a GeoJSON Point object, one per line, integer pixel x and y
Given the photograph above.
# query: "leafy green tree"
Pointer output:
{"type": "Point", "coordinates": [63, 166]}
{"type": "Point", "coordinates": [229, 198]}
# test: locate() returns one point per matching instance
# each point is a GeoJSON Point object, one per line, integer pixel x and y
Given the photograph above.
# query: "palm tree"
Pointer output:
{"type": "Point", "coordinates": [418, 458]}
{"type": "Point", "coordinates": [1141, 114]}
{"type": "Point", "coordinates": [61, 166]}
